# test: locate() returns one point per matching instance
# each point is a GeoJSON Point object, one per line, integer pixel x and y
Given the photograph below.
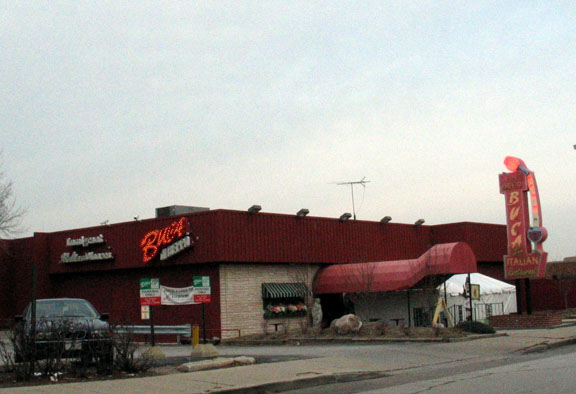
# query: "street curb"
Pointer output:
{"type": "Point", "coordinates": [320, 341]}
{"type": "Point", "coordinates": [302, 383]}
{"type": "Point", "coordinates": [477, 336]}
{"type": "Point", "coordinates": [541, 347]}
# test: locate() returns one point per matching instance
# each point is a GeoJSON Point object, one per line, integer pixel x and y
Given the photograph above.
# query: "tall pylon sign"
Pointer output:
{"type": "Point", "coordinates": [526, 257]}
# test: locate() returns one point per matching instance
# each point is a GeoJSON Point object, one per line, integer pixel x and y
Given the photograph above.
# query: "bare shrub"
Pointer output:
{"type": "Point", "coordinates": [31, 356]}
{"type": "Point", "coordinates": [126, 349]}
{"type": "Point", "coordinates": [64, 347]}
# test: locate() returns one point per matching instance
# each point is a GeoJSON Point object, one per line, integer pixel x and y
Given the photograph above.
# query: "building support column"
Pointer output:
{"type": "Point", "coordinates": [409, 309]}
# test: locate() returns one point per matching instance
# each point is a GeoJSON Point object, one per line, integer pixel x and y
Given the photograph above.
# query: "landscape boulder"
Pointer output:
{"type": "Point", "coordinates": [206, 364]}
{"type": "Point", "coordinates": [215, 363]}
{"type": "Point", "coordinates": [244, 360]}
{"type": "Point", "coordinates": [346, 324]}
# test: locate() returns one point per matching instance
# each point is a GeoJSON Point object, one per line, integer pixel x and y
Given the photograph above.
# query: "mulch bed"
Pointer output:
{"type": "Point", "coordinates": [374, 330]}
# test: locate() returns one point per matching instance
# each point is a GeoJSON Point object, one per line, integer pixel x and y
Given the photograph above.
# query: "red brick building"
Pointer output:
{"type": "Point", "coordinates": [238, 250]}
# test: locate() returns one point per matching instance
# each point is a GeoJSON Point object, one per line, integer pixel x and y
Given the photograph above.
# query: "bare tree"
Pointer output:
{"type": "Point", "coordinates": [362, 277]}
{"type": "Point", "coordinates": [428, 292]}
{"type": "Point", "coordinates": [11, 214]}
{"type": "Point", "coordinates": [304, 273]}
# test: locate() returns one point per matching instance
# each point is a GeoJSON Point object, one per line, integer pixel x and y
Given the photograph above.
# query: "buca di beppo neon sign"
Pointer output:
{"type": "Point", "coordinates": [522, 260]}
{"type": "Point", "coordinates": [168, 241]}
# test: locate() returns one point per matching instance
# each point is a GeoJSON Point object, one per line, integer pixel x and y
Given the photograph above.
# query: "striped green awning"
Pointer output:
{"type": "Point", "coordinates": [284, 290]}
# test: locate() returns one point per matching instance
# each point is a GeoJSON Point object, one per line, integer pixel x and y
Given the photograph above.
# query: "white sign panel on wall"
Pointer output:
{"type": "Point", "coordinates": [177, 296]}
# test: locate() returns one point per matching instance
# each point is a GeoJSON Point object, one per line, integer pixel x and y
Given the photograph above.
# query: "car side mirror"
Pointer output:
{"type": "Point", "coordinates": [19, 318]}
{"type": "Point", "coordinates": [104, 316]}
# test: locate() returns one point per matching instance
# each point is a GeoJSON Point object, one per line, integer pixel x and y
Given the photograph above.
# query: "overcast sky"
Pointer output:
{"type": "Point", "coordinates": [109, 109]}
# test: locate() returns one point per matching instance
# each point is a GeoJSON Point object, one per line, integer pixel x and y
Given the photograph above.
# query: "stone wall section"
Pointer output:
{"type": "Point", "coordinates": [242, 306]}
{"type": "Point", "coordinates": [535, 320]}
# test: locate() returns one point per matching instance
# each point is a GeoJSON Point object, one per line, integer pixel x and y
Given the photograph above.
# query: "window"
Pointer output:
{"type": "Point", "coordinates": [460, 313]}
{"type": "Point", "coordinates": [488, 310]}
{"type": "Point", "coordinates": [421, 317]}
{"type": "Point", "coordinates": [284, 300]}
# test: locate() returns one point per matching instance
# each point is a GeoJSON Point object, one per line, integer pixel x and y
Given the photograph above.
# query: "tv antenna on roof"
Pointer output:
{"type": "Point", "coordinates": [362, 182]}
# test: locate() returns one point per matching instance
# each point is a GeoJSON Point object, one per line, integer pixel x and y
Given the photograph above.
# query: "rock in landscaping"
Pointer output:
{"type": "Point", "coordinates": [154, 353]}
{"type": "Point", "coordinates": [347, 324]}
{"type": "Point", "coordinates": [206, 364]}
{"type": "Point", "coordinates": [203, 365]}
{"type": "Point", "coordinates": [244, 360]}
{"type": "Point", "coordinates": [205, 350]}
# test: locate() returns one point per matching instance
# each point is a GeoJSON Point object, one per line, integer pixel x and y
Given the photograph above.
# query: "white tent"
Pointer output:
{"type": "Point", "coordinates": [496, 297]}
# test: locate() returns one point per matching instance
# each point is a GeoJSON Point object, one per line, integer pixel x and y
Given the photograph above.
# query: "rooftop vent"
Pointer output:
{"type": "Point", "coordinates": [178, 210]}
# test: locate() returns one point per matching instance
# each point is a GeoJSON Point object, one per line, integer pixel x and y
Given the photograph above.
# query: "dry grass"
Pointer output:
{"type": "Point", "coordinates": [369, 330]}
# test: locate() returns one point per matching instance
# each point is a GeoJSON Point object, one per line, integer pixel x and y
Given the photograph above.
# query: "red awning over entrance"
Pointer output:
{"type": "Point", "coordinates": [450, 258]}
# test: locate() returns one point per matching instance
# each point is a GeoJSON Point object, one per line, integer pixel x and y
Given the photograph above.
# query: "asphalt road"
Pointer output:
{"type": "Point", "coordinates": [375, 367]}
{"type": "Point", "coordinates": [553, 371]}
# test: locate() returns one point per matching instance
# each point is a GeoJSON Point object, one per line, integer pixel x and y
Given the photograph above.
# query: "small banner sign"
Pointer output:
{"type": "Point", "coordinates": [475, 292]}
{"type": "Point", "coordinates": [201, 281]}
{"type": "Point", "coordinates": [145, 312]}
{"type": "Point", "coordinates": [202, 289]}
{"type": "Point", "coordinates": [202, 294]}
{"type": "Point", "coordinates": [199, 293]}
{"type": "Point", "coordinates": [150, 291]}
{"type": "Point", "coordinates": [177, 296]}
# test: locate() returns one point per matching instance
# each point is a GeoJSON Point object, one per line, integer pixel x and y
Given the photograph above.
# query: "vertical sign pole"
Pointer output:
{"type": "Point", "coordinates": [518, 296]}
{"type": "Point", "coordinates": [202, 283]}
{"type": "Point", "coordinates": [150, 296]}
{"type": "Point", "coordinates": [447, 312]}
{"type": "Point", "coordinates": [203, 324]}
{"type": "Point", "coordinates": [153, 337]}
{"type": "Point", "coordinates": [470, 298]}
{"type": "Point", "coordinates": [409, 310]}
{"type": "Point", "coordinates": [528, 296]}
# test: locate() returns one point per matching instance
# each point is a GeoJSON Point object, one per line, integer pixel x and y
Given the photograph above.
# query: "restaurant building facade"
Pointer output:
{"type": "Point", "coordinates": [251, 258]}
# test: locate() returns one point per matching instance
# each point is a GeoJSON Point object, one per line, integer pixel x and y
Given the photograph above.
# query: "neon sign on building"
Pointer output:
{"type": "Point", "coordinates": [524, 260]}
{"type": "Point", "coordinates": [167, 241]}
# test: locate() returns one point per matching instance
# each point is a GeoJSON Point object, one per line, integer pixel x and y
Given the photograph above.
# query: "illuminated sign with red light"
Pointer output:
{"type": "Point", "coordinates": [522, 260]}
{"type": "Point", "coordinates": [168, 241]}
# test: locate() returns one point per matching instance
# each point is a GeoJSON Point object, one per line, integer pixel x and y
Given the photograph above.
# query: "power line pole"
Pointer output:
{"type": "Point", "coordinates": [360, 182]}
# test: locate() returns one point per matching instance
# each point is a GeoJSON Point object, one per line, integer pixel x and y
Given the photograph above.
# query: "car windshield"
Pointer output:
{"type": "Point", "coordinates": [64, 308]}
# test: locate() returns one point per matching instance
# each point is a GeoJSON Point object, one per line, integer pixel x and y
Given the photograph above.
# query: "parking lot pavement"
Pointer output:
{"type": "Point", "coordinates": [322, 367]}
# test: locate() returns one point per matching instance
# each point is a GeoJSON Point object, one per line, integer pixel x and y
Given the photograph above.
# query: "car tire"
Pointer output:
{"type": "Point", "coordinates": [18, 357]}
{"type": "Point", "coordinates": [109, 356]}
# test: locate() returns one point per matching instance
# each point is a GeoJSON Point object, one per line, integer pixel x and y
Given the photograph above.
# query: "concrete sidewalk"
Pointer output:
{"type": "Point", "coordinates": [325, 369]}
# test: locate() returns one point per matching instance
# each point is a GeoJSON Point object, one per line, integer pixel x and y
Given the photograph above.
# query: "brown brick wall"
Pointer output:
{"type": "Point", "coordinates": [241, 296]}
{"type": "Point", "coordinates": [535, 320]}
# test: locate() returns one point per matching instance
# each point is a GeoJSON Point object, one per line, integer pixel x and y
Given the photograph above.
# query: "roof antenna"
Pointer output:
{"type": "Point", "coordinates": [360, 182]}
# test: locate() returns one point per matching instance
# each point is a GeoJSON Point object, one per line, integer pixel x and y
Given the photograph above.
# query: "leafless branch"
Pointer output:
{"type": "Point", "coordinates": [362, 277]}
{"type": "Point", "coordinates": [11, 214]}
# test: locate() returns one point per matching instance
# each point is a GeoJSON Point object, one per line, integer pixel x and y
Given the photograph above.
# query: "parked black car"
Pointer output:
{"type": "Point", "coordinates": [64, 327]}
